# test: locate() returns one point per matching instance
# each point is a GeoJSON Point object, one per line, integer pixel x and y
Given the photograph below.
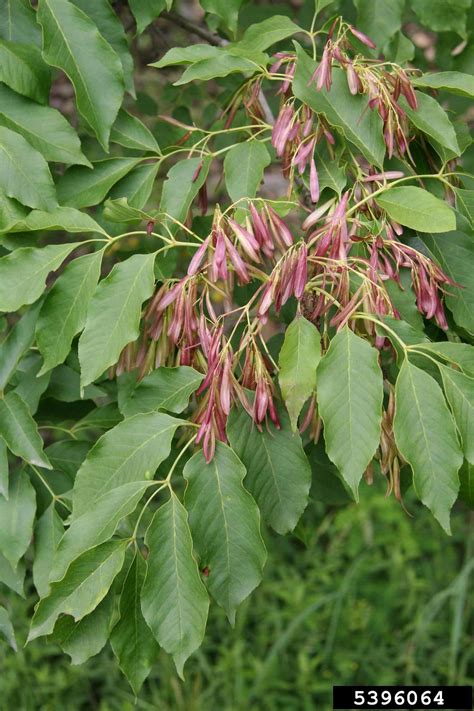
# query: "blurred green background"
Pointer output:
{"type": "Point", "coordinates": [372, 596]}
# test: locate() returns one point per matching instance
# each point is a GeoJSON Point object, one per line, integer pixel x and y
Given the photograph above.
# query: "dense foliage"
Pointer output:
{"type": "Point", "coordinates": [179, 371]}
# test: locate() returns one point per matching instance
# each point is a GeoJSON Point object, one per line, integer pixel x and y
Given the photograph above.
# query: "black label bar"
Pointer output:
{"type": "Point", "coordinates": [449, 698]}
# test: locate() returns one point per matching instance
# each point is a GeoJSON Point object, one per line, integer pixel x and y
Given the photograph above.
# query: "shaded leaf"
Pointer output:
{"type": "Point", "coordinates": [48, 532]}
{"type": "Point", "coordinates": [86, 637]}
{"type": "Point", "coordinates": [379, 26]}
{"type": "Point", "coordinates": [23, 273]}
{"type": "Point", "coordinates": [4, 471]}
{"type": "Point", "coordinates": [111, 28]}
{"type": "Point", "coordinates": [299, 357]}
{"type": "Point", "coordinates": [18, 22]}
{"type": "Point", "coordinates": [72, 43]}
{"type": "Point", "coordinates": [130, 132]}
{"type": "Point", "coordinates": [454, 253]}
{"type": "Point", "coordinates": [62, 218]}
{"type": "Point", "coordinates": [130, 452]}
{"type": "Point", "coordinates": [461, 354]}
{"type": "Point", "coordinates": [244, 165]}
{"type": "Point", "coordinates": [454, 82]}
{"type": "Point", "coordinates": [181, 187]}
{"type": "Point", "coordinates": [131, 639]}
{"type": "Point", "coordinates": [432, 119]}
{"type": "Point", "coordinates": [459, 390]}
{"type": "Point", "coordinates": [6, 628]}
{"type": "Point", "coordinates": [19, 430]}
{"type": "Point", "coordinates": [261, 35]}
{"type": "Point", "coordinates": [17, 343]}
{"type": "Point", "coordinates": [164, 389]}
{"type": "Point", "coordinates": [24, 173]}
{"type": "Point", "coordinates": [14, 578]}
{"type": "Point", "coordinates": [97, 524]}
{"type": "Point", "coordinates": [278, 473]}
{"type": "Point", "coordinates": [23, 70]}
{"type": "Point", "coordinates": [17, 516]}
{"type": "Point", "coordinates": [417, 208]}
{"type": "Point", "coordinates": [225, 525]}
{"type": "Point", "coordinates": [348, 113]}
{"type": "Point", "coordinates": [64, 310]}
{"type": "Point", "coordinates": [113, 317]}
{"type": "Point", "coordinates": [466, 477]}
{"type": "Point", "coordinates": [137, 185]}
{"type": "Point", "coordinates": [85, 584]}
{"type": "Point", "coordinates": [44, 128]}
{"type": "Point", "coordinates": [426, 437]}
{"type": "Point", "coordinates": [174, 600]}
{"type": "Point", "coordinates": [350, 395]}
{"type": "Point", "coordinates": [145, 11]}
{"type": "Point", "coordinates": [82, 187]}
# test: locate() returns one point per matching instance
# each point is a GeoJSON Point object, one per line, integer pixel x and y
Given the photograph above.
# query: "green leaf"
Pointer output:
{"type": "Point", "coordinates": [331, 174]}
{"type": "Point", "coordinates": [433, 120]}
{"type": "Point", "coordinates": [10, 212]}
{"type": "Point", "coordinates": [3, 469]}
{"type": "Point", "coordinates": [379, 26]}
{"type": "Point", "coordinates": [23, 70]}
{"type": "Point", "coordinates": [71, 42]}
{"type": "Point", "coordinates": [24, 173]}
{"type": "Point", "coordinates": [443, 15]}
{"type": "Point", "coordinates": [225, 526]}
{"type": "Point", "coordinates": [348, 113]}
{"type": "Point", "coordinates": [87, 637]}
{"type": "Point", "coordinates": [164, 389]}
{"type": "Point", "coordinates": [120, 211]}
{"type": "Point", "coordinates": [137, 185]}
{"type": "Point", "coordinates": [82, 187]}
{"type": "Point", "coordinates": [130, 132]}
{"type": "Point", "coordinates": [454, 82]}
{"type": "Point", "coordinates": [226, 64]}
{"type": "Point", "coordinates": [466, 477]}
{"type": "Point", "coordinates": [426, 437]}
{"type": "Point", "coordinates": [130, 452]}
{"type": "Point", "coordinates": [6, 628]}
{"type": "Point", "coordinates": [29, 385]}
{"type": "Point", "coordinates": [418, 209]}
{"type": "Point", "coordinates": [43, 127]}
{"type": "Point", "coordinates": [85, 584]}
{"type": "Point", "coordinates": [465, 203]}
{"type": "Point", "coordinates": [181, 187]}
{"type": "Point", "coordinates": [459, 390]}
{"type": "Point", "coordinates": [18, 22]}
{"type": "Point", "coordinates": [17, 516]}
{"type": "Point", "coordinates": [327, 485]}
{"type": "Point", "coordinates": [48, 532]}
{"type": "Point", "coordinates": [261, 35]}
{"type": "Point", "coordinates": [145, 11]}
{"type": "Point", "coordinates": [65, 386]}
{"type": "Point", "coordinates": [226, 10]}
{"type": "Point", "coordinates": [403, 298]}
{"type": "Point", "coordinates": [110, 27]}
{"type": "Point", "coordinates": [174, 600]}
{"type": "Point", "coordinates": [187, 55]}
{"type": "Point", "coordinates": [64, 310]}
{"type": "Point", "coordinates": [454, 253]}
{"type": "Point", "coordinates": [278, 472]}
{"type": "Point", "coordinates": [66, 219]}
{"type": "Point", "coordinates": [461, 354]}
{"type": "Point", "coordinates": [97, 524]}
{"type": "Point", "coordinates": [104, 417]}
{"type": "Point", "coordinates": [19, 430]}
{"type": "Point", "coordinates": [113, 318]}
{"type": "Point", "coordinates": [299, 357]}
{"type": "Point", "coordinates": [131, 639]}
{"type": "Point", "coordinates": [23, 273]}
{"type": "Point", "coordinates": [244, 165]}
{"type": "Point", "coordinates": [17, 342]}
{"type": "Point", "coordinates": [350, 395]}
{"type": "Point", "coordinates": [14, 578]}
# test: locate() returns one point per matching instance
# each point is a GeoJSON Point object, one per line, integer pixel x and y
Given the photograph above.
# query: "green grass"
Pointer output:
{"type": "Point", "coordinates": [375, 597]}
